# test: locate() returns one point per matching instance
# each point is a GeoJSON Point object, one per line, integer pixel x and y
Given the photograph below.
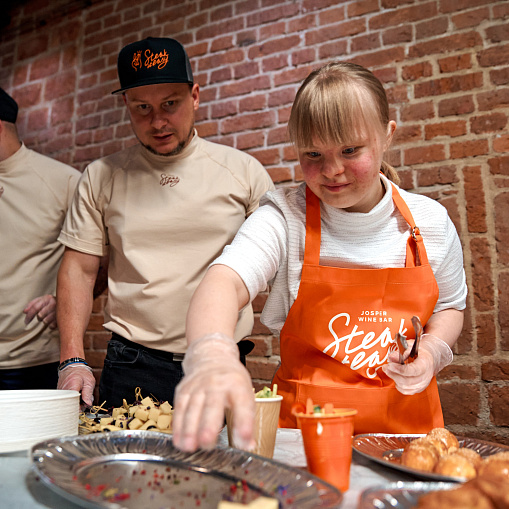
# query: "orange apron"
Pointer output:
{"type": "Point", "coordinates": [340, 330]}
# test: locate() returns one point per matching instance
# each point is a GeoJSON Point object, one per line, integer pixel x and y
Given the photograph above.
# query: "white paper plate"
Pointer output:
{"type": "Point", "coordinates": [29, 416]}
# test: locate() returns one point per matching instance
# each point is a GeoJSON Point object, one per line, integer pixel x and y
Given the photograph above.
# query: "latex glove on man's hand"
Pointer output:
{"type": "Point", "coordinates": [214, 379]}
{"type": "Point", "coordinates": [434, 355]}
{"type": "Point", "coordinates": [78, 377]}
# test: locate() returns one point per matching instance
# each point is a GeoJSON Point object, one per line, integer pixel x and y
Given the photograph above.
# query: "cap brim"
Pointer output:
{"type": "Point", "coordinates": [156, 81]}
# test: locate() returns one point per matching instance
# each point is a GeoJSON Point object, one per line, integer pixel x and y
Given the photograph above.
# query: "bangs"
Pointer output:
{"type": "Point", "coordinates": [333, 111]}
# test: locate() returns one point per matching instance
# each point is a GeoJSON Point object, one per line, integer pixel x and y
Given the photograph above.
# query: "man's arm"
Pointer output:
{"type": "Point", "coordinates": [75, 284]}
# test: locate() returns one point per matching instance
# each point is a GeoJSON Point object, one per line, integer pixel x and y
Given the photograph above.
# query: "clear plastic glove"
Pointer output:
{"type": "Point", "coordinates": [434, 355]}
{"type": "Point", "coordinates": [44, 308]}
{"type": "Point", "coordinates": [214, 379]}
{"type": "Point", "coordinates": [78, 377]}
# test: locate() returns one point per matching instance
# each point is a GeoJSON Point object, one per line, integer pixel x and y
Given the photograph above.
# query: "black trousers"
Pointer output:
{"type": "Point", "coordinates": [129, 365]}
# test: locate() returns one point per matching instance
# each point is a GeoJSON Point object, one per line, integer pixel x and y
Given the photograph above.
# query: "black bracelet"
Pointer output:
{"type": "Point", "coordinates": [72, 360]}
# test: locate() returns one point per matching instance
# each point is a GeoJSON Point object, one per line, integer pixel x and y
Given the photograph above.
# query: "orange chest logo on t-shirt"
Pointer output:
{"type": "Point", "coordinates": [168, 180]}
{"type": "Point", "coordinates": [149, 59]}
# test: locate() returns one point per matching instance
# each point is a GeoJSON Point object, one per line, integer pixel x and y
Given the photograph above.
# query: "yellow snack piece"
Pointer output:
{"type": "Point", "coordinates": [147, 402]}
{"type": "Point", "coordinates": [148, 424]}
{"type": "Point", "coordinates": [165, 408]}
{"type": "Point", "coordinates": [106, 420]}
{"type": "Point", "coordinates": [135, 423]}
{"type": "Point", "coordinates": [141, 413]}
{"type": "Point", "coordinates": [164, 421]}
{"type": "Point", "coordinates": [259, 503]}
{"type": "Point", "coordinates": [117, 411]}
{"type": "Point", "coordinates": [154, 413]}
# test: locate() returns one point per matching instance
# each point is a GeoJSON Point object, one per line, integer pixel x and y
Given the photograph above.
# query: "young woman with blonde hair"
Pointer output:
{"type": "Point", "coordinates": [350, 258]}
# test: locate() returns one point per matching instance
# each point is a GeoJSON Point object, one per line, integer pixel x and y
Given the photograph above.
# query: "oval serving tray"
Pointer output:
{"type": "Point", "coordinates": [134, 469]}
{"type": "Point", "coordinates": [386, 449]}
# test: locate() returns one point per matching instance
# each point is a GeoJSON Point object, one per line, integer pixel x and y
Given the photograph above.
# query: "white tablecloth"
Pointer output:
{"type": "Point", "coordinates": [20, 488]}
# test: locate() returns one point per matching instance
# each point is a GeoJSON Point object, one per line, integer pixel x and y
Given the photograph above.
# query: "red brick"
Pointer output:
{"type": "Point", "coordinates": [449, 85]}
{"type": "Point", "coordinates": [455, 63]}
{"type": "Point", "coordinates": [362, 7]}
{"type": "Point", "coordinates": [437, 175]}
{"type": "Point", "coordinates": [456, 106]}
{"type": "Point", "coordinates": [470, 18]}
{"type": "Point", "coordinates": [501, 210]}
{"type": "Point", "coordinates": [274, 63]}
{"type": "Point", "coordinates": [262, 368]}
{"type": "Point", "coordinates": [486, 334]}
{"type": "Point", "coordinates": [431, 28]}
{"type": "Point", "coordinates": [424, 154]}
{"type": "Point", "coordinates": [250, 140]}
{"type": "Point", "coordinates": [267, 15]}
{"type": "Point", "coordinates": [482, 285]}
{"type": "Point", "coordinates": [337, 31]}
{"type": "Point", "coordinates": [501, 143]}
{"type": "Point", "coordinates": [491, 57]}
{"type": "Point", "coordinates": [267, 157]}
{"type": "Point", "coordinates": [280, 174]}
{"type": "Point", "coordinates": [382, 57]}
{"type": "Point", "coordinates": [457, 371]}
{"type": "Point", "coordinates": [460, 403]}
{"type": "Point", "coordinates": [416, 71]}
{"type": "Point", "coordinates": [488, 123]}
{"type": "Point", "coordinates": [272, 30]}
{"type": "Point", "coordinates": [498, 400]}
{"type": "Point", "coordinates": [407, 134]}
{"type": "Point", "coordinates": [207, 129]}
{"type": "Point", "coordinates": [253, 103]}
{"type": "Point", "coordinates": [499, 165]}
{"type": "Point", "coordinates": [417, 111]}
{"type": "Point", "coordinates": [245, 86]}
{"type": "Point", "coordinates": [245, 122]}
{"type": "Point", "coordinates": [453, 42]}
{"type": "Point", "coordinates": [332, 50]}
{"type": "Point", "coordinates": [303, 56]}
{"type": "Point", "coordinates": [246, 69]}
{"type": "Point", "coordinates": [500, 76]}
{"type": "Point", "coordinates": [330, 16]}
{"type": "Point", "coordinates": [32, 46]}
{"type": "Point", "coordinates": [451, 129]}
{"type": "Point", "coordinates": [423, 10]}
{"type": "Point", "coordinates": [469, 149]}
{"type": "Point", "coordinates": [38, 119]}
{"type": "Point", "coordinates": [275, 46]}
{"type": "Point", "coordinates": [497, 33]}
{"type": "Point", "coordinates": [277, 135]}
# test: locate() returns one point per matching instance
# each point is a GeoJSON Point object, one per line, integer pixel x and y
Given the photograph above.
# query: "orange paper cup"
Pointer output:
{"type": "Point", "coordinates": [328, 444]}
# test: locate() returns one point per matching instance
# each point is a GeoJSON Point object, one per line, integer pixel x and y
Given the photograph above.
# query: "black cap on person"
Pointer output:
{"type": "Point", "coordinates": [152, 61]}
{"type": "Point", "coordinates": [8, 107]}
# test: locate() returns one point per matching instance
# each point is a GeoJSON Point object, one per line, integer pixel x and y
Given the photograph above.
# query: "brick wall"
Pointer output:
{"type": "Point", "coordinates": [446, 67]}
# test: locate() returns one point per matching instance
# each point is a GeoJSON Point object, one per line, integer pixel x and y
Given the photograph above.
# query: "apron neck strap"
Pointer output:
{"type": "Point", "coordinates": [415, 250]}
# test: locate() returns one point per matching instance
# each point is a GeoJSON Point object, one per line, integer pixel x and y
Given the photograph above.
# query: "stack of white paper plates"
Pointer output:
{"type": "Point", "coordinates": [29, 416]}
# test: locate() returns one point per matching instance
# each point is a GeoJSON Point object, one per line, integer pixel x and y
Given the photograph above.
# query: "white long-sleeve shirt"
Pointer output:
{"type": "Point", "coordinates": [269, 247]}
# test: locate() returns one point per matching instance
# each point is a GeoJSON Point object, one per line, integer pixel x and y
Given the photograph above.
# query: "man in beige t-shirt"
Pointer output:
{"type": "Point", "coordinates": [162, 210]}
{"type": "Point", "coordinates": [35, 192]}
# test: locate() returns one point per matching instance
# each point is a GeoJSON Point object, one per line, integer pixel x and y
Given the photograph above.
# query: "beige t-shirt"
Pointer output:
{"type": "Point", "coordinates": [163, 220]}
{"type": "Point", "coordinates": [35, 192]}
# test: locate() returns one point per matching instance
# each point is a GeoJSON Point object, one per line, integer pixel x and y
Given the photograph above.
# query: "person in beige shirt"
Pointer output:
{"type": "Point", "coordinates": [35, 192]}
{"type": "Point", "coordinates": [162, 210]}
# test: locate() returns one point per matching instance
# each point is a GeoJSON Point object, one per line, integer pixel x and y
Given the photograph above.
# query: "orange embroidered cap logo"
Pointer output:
{"type": "Point", "coordinates": [152, 61]}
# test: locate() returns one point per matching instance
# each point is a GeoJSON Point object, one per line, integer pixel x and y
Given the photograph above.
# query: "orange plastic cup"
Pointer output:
{"type": "Point", "coordinates": [328, 444]}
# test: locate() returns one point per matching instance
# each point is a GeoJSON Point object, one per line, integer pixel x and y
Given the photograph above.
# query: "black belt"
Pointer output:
{"type": "Point", "coordinates": [245, 346]}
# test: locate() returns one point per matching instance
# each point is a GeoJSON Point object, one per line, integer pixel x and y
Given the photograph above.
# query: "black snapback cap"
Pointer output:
{"type": "Point", "coordinates": [8, 107]}
{"type": "Point", "coordinates": [152, 61]}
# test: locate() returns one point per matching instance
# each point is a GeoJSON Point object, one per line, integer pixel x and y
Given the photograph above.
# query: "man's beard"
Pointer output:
{"type": "Point", "coordinates": [177, 150]}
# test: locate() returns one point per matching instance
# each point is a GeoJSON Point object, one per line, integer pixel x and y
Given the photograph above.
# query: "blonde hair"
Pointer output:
{"type": "Point", "coordinates": [335, 104]}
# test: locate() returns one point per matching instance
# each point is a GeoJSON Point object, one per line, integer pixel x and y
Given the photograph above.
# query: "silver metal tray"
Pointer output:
{"type": "Point", "coordinates": [133, 469]}
{"type": "Point", "coordinates": [386, 449]}
{"type": "Point", "coordinates": [399, 495]}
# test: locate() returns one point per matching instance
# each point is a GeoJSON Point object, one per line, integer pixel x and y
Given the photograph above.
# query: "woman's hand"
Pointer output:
{"type": "Point", "coordinates": [434, 355]}
{"type": "Point", "coordinates": [214, 379]}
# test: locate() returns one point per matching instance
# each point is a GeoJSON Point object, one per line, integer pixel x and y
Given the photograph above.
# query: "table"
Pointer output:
{"type": "Point", "coordinates": [20, 488]}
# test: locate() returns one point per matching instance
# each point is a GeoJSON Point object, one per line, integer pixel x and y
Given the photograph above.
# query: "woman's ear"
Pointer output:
{"type": "Point", "coordinates": [391, 127]}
